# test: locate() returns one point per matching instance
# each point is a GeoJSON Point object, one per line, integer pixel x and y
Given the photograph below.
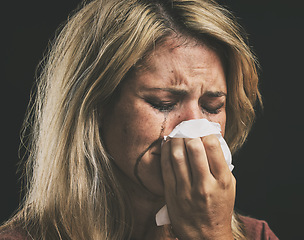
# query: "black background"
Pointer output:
{"type": "Point", "coordinates": [269, 168]}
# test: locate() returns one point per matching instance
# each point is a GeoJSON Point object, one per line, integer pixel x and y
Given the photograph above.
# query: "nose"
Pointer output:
{"type": "Point", "coordinates": [190, 111]}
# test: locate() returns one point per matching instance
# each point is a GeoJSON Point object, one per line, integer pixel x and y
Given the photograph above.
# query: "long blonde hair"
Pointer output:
{"type": "Point", "coordinates": [71, 190]}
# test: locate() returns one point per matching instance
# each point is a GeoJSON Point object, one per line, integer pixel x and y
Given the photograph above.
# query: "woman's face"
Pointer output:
{"type": "Point", "coordinates": [177, 82]}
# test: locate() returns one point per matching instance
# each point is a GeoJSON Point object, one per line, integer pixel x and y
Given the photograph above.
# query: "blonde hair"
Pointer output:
{"type": "Point", "coordinates": [71, 191]}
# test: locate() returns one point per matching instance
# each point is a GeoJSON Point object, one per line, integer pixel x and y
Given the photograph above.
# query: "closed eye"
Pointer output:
{"type": "Point", "coordinates": [212, 109]}
{"type": "Point", "coordinates": [162, 106]}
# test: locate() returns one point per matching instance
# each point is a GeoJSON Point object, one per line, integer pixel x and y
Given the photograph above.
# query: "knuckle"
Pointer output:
{"type": "Point", "coordinates": [211, 142]}
{"type": "Point", "coordinates": [178, 156]}
{"type": "Point", "coordinates": [185, 198]}
{"type": "Point", "coordinates": [224, 184]}
{"type": "Point", "coordinates": [203, 193]}
{"type": "Point", "coordinates": [193, 145]}
{"type": "Point", "coordinates": [227, 182]}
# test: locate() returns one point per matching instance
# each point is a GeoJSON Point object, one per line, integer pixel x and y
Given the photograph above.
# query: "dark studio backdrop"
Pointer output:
{"type": "Point", "coordinates": [269, 168]}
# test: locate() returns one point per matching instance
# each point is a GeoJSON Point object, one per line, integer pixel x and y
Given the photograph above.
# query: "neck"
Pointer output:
{"type": "Point", "coordinates": [144, 206]}
{"type": "Point", "coordinates": [144, 209]}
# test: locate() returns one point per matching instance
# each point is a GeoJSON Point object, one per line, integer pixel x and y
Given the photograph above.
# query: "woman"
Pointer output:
{"type": "Point", "coordinates": [120, 76]}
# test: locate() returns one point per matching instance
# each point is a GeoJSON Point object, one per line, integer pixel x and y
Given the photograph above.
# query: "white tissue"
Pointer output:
{"type": "Point", "coordinates": [193, 129]}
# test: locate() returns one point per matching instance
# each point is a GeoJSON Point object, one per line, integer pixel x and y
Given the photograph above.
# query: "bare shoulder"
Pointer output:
{"type": "Point", "coordinates": [257, 229]}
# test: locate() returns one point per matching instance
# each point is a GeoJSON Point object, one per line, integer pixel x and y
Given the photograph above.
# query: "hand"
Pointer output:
{"type": "Point", "coordinates": [199, 188]}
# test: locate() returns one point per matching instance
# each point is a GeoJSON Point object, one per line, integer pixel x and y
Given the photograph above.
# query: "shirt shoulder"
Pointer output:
{"type": "Point", "coordinates": [14, 234]}
{"type": "Point", "coordinates": [257, 229]}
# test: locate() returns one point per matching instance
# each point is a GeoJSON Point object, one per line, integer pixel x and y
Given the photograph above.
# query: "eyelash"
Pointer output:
{"type": "Point", "coordinates": [167, 107]}
{"type": "Point", "coordinates": [162, 106]}
{"type": "Point", "coordinates": [213, 110]}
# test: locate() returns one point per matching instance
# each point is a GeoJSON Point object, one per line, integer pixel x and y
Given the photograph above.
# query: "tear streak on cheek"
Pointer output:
{"type": "Point", "coordinates": [157, 141]}
{"type": "Point", "coordinates": [163, 126]}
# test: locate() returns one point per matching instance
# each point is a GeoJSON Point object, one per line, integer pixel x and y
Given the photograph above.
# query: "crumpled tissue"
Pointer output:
{"type": "Point", "coordinates": [193, 129]}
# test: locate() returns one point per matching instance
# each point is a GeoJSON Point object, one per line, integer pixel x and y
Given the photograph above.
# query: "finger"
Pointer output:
{"type": "Point", "coordinates": [167, 169]}
{"type": "Point", "coordinates": [197, 160]}
{"type": "Point", "coordinates": [180, 165]}
{"type": "Point", "coordinates": [215, 156]}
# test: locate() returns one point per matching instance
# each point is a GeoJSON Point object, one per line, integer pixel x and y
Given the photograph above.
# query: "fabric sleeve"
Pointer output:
{"type": "Point", "coordinates": [14, 234]}
{"type": "Point", "coordinates": [257, 229]}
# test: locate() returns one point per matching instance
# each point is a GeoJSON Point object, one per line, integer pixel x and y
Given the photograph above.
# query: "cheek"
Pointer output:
{"type": "Point", "coordinates": [129, 129]}
{"type": "Point", "coordinates": [221, 119]}
{"type": "Point", "coordinates": [143, 125]}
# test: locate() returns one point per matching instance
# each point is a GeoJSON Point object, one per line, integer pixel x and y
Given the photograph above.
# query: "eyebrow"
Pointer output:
{"type": "Point", "coordinates": [182, 92]}
{"type": "Point", "coordinates": [177, 92]}
{"type": "Point", "coordinates": [215, 94]}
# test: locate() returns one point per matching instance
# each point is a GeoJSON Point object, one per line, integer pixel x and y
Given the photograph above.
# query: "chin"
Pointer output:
{"type": "Point", "coordinates": [150, 176]}
{"type": "Point", "coordinates": [156, 187]}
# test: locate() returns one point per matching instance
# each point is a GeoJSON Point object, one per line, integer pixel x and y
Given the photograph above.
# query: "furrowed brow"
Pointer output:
{"type": "Point", "coordinates": [174, 91]}
{"type": "Point", "coordinates": [215, 94]}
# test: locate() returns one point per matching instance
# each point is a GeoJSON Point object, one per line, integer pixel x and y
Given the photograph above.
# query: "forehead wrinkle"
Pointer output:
{"type": "Point", "coordinates": [177, 77]}
{"type": "Point", "coordinates": [176, 69]}
{"type": "Point", "coordinates": [193, 72]}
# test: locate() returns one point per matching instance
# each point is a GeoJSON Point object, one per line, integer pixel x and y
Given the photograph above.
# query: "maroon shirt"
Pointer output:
{"type": "Point", "coordinates": [255, 229]}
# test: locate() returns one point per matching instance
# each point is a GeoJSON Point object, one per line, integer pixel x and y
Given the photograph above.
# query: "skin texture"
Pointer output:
{"type": "Point", "coordinates": [179, 81]}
